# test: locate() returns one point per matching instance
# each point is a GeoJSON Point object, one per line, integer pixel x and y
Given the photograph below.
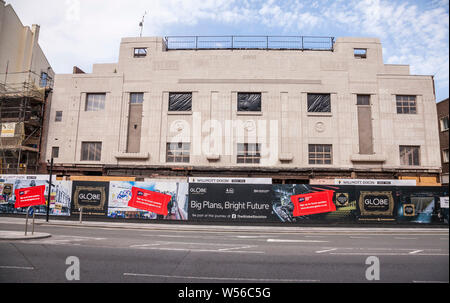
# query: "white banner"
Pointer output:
{"type": "Point", "coordinates": [8, 129]}
{"type": "Point", "coordinates": [444, 202]}
{"type": "Point", "coordinates": [230, 180]}
{"type": "Point", "coordinates": [379, 182]}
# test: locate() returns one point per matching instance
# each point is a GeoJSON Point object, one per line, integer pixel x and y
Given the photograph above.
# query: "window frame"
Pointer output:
{"type": "Point", "coordinates": [181, 154]}
{"type": "Point", "coordinates": [445, 155]}
{"type": "Point", "coordinates": [247, 155]}
{"type": "Point", "coordinates": [309, 105]}
{"type": "Point", "coordinates": [137, 54]}
{"type": "Point", "coordinates": [406, 104]}
{"type": "Point", "coordinates": [172, 109]}
{"type": "Point", "coordinates": [360, 53]}
{"type": "Point", "coordinates": [96, 152]}
{"type": "Point", "coordinates": [99, 104]}
{"type": "Point", "coordinates": [55, 148]}
{"type": "Point", "coordinates": [320, 150]}
{"type": "Point", "coordinates": [248, 94]}
{"type": "Point", "coordinates": [362, 97]}
{"type": "Point", "coordinates": [413, 149]}
{"type": "Point", "coordinates": [58, 116]}
{"type": "Point", "coordinates": [441, 122]}
{"type": "Point", "coordinates": [141, 101]}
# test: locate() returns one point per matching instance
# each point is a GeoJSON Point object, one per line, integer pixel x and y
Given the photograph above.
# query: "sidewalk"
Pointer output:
{"type": "Point", "coordinates": [220, 228]}
{"type": "Point", "coordinates": [20, 235]}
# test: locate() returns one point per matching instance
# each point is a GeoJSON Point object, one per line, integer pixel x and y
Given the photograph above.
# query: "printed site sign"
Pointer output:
{"type": "Point", "coordinates": [149, 200]}
{"type": "Point", "coordinates": [313, 203]}
{"type": "Point", "coordinates": [30, 196]}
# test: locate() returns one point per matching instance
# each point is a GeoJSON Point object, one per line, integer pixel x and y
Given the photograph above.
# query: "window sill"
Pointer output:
{"type": "Point", "coordinates": [249, 113]}
{"type": "Point", "coordinates": [367, 158]}
{"type": "Point", "coordinates": [319, 114]}
{"type": "Point", "coordinates": [132, 156]}
{"type": "Point", "coordinates": [179, 112]}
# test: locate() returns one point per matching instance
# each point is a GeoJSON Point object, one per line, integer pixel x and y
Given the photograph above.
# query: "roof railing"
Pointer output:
{"type": "Point", "coordinates": [316, 43]}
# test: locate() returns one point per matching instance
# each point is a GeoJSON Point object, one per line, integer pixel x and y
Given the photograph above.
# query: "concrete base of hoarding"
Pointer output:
{"type": "Point", "coordinates": [20, 235]}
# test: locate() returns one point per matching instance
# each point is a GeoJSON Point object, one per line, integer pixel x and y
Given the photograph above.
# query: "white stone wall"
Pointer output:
{"type": "Point", "coordinates": [216, 76]}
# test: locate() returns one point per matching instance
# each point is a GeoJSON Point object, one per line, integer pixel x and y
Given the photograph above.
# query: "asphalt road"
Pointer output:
{"type": "Point", "coordinates": [112, 254]}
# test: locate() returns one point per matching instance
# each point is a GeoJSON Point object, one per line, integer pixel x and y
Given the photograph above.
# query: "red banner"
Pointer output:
{"type": "Point", "coordinates": [30, 196]}
{"type": "Point", "coordinates": [313, 203]}
{"type": "Point", "coordinates": [149, 200]}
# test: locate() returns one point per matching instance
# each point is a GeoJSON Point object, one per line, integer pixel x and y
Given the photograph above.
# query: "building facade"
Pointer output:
{"type": "Point", "coordinates": [442, 112]}
{"type": "Point", "coordinates": [26, 78]}
{"type": "Point", "coordinates": [191, 106]}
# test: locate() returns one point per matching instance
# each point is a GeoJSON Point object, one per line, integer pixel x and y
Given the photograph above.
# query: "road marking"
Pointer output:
{"type": "Point", "coordinates": [239, 247]}
{"type": "Point", "coordinates": [295, 241]}
{"type": "Point", "coordinates": [204, 250]}
{"type": "Point", "coordinates": [415, 252]}
{"type": "Point", "coordinates": [360, 237]}
{"type": "Point", "coordinates": [326, 250]}
{"type": "Point", "coordinates": [16, 267]}
{"type": "Point", "coordinates": [403, 238]}
{"type": "Point", "coordinates": [219, 278]}
{"type": "Point", "coordinates": [388, 254]}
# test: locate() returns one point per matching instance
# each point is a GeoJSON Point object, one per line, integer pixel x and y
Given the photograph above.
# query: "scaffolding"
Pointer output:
{"type": "Point", "coordinates": [22, 107]}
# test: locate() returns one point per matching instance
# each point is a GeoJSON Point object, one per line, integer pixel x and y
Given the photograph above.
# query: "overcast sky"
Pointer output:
{"type": "Point", "coordinates": [83, 32]}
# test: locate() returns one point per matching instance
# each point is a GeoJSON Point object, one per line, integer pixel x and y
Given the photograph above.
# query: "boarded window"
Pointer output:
{"type": "Point", "coordinates": [406, 104]}
{"type": "Point", "coordinates": [319, 103]}
{"type": "Point", "coordinates": [91, 151]}
{"type": "Point", "coordinates": [95, 102]}
{"type": "Point", "coordinates": [180, 101]}
{"type": "Point", "coordinates": [360, 53]}
{"type": "Point", "coordinates": [136, 98]}
{"type": "Point", "coordinates": [58, 116]}
{"type": "Point", "coordinates": [140, 52]}
{"type": "Point", "coordinates": [248, 153]}
{"type": "Point", "coordinates": [178, 152]}
{"type": "Point", "coordinates": [249, 102]}
{"type": "Point", "coordinates": [55, 152]}
{"type": "Point", "coordinates": [320, 154]}
{"type": "Point", "coordinates": [409, 155]}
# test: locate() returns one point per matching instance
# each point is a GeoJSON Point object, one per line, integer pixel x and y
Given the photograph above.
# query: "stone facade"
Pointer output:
{"type": "Point", "coordinates": [284, 127]}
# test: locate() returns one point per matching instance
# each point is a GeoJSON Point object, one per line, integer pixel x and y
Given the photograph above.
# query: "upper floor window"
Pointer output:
{"type": "Point", "coordinates": [91, 151]}
{"type": "Point", "coordinates": [248, 153]}
{"type": "Point", "coordinates": [319, 103]}
{"type": "Point", "coordinates": [363, 100]}
{"type": "Point", "coordinates": [445, 156]}
{"type": "Point", "coordinates": [180, 101]}
{"type": "Point", "coordinates": [58, 116]}
{"type": "Point", "coordinates": [178, 152]}
{"type": "Point", "coordinates": [444, 123]}
{"type": "Point", "coordinates": [320, 154]}
{"type": "Point", "coordinates": [44, 79]}
{"type": "Point", "coordinates": [95, 102]}
{"type": "Point", "coordinates": [360, 53]}
{"type": "Point", "coordinates": [409, 155]}
{"type": "Point", "coordinates": [136, 98]}
{"type": "Point", "coordinates": [140, 52]}
{"type": "Point", "coordinates": [249, 102]}
{"type": "Point", "coordinates": [406, 104]}
{"type": "Point", "coordinates": [55, 151]}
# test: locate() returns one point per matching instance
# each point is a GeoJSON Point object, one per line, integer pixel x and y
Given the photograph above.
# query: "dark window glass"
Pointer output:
{"type": "Point", "coordinates": [55, 152]}
{"type": "Point", "coordinates": [58, 116]}
{"type": "Point", "coordinates": [360, 53]}
{"type": "Point", "coordinates": [180, 101]}
{"type": "Point", "coordinates": [249, 102]}
{"type": "Point", "coordinates": [319, 103]}
{"type": "Point", "coordinates": [363, 99]}
{"type": "Point", "coordinates": [136, 98]}
{"type": "Point", "coordinates": [248, 153]}
{"type": "Point", "coordinates": [140, 52]}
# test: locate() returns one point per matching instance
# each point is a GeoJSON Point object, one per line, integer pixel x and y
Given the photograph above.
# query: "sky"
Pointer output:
{"type": "Point", "coordinates": [83, 32]}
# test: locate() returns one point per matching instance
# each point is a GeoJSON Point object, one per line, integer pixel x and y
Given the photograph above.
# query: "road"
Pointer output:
{"type": "Point", "coordinates": [127, 254]}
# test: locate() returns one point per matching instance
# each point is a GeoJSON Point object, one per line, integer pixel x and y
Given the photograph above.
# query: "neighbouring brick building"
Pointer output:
{"type": "Point", "coordinates": [442, 113]}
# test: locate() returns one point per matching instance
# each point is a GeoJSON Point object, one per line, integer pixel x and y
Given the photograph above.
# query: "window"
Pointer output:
{"type": "Point", "coordinates": [445, 156]}
{"type": "Point", "coordinates": [136, 98]}
{"type": "Point", "coordinates": [140, 52]}
{"type": "Point", "coordinates": [409, 155]}
{"type": "Point", "coordinates": [248, 153]}
{"type": "Point", "coordinates": [180, 101]}
{"type": "Point", "coordinates": [55, 152]}
{"type": "Point", "coordinates": [249, 102]}
{"type": "Point", "coordinates": [178, 152]}
{"type": "Point", "coordinates": [95, 102]}
{"type": "Point", "coordinates": [360, 53]}
{"type": "Point", "coordinates": [319, 103]}
{"type": "Point", "coordinates": [58, 116]}
{"type": "Point", "coordinates": [91, 151]}
{"type": "Point", "coordinates": [44, 78]}
{"type": "Point", "coordinates": [444, 123]}
{"type": "Point", "coordinates": [363, 100]}
{"type": "Point", "coordinates": [320, 153]}
{"type": "Point", "coordinates": [406, 104]}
